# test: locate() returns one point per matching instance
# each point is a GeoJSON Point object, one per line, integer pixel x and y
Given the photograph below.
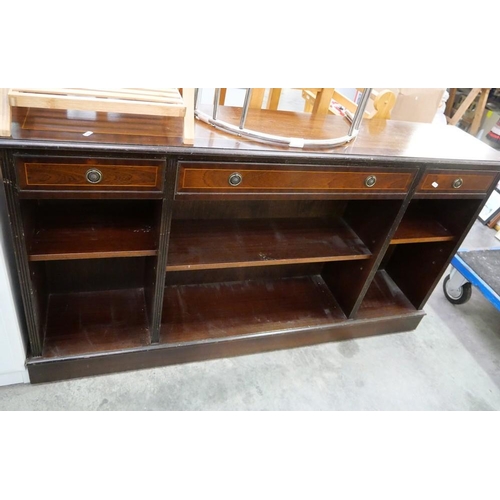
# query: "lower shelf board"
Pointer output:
{"type": "Point", "coordinates": [50, 369]}
{"type": "Point", "coordinates": [384, 298]}
{"type": "Point", "coordinates": [105, 332]}
{"type": "Point", "coordinates": [95, 322]}
{"type": "Point", "coordinates": [217, 310]}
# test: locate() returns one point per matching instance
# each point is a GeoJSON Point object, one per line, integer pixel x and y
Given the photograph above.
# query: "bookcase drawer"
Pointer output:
{"type": "Point", "coordinates": [233, 179]}
{"type": "Point", "coordinates": [81, 174]}
{"type": "Point", "coordinates": [459, 181]}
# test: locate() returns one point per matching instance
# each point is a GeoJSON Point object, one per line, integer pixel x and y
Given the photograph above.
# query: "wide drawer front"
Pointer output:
{"type": "Point", "coordinates": [90, 175]}
{"type": "Point", "coordinates": [239, 178]}
{"type": "Point", "coordinates": [456, 182]}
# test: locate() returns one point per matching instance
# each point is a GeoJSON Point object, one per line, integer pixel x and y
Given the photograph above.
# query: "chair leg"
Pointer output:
{"type": "Point", "coordinates": [274, 99]}
{"type": "Point", "coordinates": [257, 98]}
{"type": "Point", "coordinates": [450, 102]}
{"type": "Point", "coordinates": [188, 135]}
{"type": "Point", "coordinates": [478, 115]}
{"type": "Point", "coordinates": [323, 101]}
{"type": "Point", "coordinates": [222, 96]}
{"type": "Point", "coordinates": [5, 113]}
{"type": "Point", "coordinates": [383, 104]}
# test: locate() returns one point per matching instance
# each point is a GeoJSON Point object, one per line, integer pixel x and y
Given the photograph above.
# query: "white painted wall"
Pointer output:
{"type": "Point", "coordinates": [12, 349]}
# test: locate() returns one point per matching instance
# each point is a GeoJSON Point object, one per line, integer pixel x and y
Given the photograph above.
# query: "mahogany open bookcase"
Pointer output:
{"type": "Point", "coordinates": [134, 250]}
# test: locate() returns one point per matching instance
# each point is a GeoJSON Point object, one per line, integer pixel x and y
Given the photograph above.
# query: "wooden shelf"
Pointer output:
{"type": "Point", "coordinates": [92, 322]}
{"type": "Point", "coordinates": [209, 311]}
{"type": "Point", "coordinates": [65, 233]}
{"type": "Point", "coordinates": [383, 299]}
{"type": "Point", "coordinates": [215, 244]}
{"type": "Point", "coordinates": [418, 228]}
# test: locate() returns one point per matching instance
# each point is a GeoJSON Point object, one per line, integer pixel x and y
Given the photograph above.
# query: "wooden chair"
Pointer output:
{"type": "Point", "coordinates": [383, 102]}
{"type": "Point", "coordinates": [257, 99]}
{"type": "Point", "coordinates": [471, 97]}
{"type": "Point", "coordinates": [160, 102]}
{"type": "Point", "coordinates": [254, 98]}
{"type": "Point", "coordinates": [318, 101]}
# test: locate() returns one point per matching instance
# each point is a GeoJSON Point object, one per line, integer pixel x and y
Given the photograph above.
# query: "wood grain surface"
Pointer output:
{"type": "Point", "coordinates": [50, 369]}
{"type": "Point", "coordinates": [208, 311]}
{"type": "Point", "coordinates": [215, 178]}
{"type": "Point", "coordinates": [95, 322]}
{"type": "Point", "coordinates": [441, 182]}
{"type": "Point", "coordinates": [418, 228]}
{"type": "Point", "coordinates": [208, 283]}
{"type": "Point", "coordinates": [90, 231]}
{"type": "Point", "coordinates": [73, 176]}
{"type": "Point", "coordinates": [386, 138]}
{"type": "Point", "coordinates": [224, 243]}
{"type": "Point", "coordinates": [384, 298]}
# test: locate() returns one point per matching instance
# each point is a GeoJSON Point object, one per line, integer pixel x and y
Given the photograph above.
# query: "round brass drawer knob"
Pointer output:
{"type": "Point", "coordinates": [94, 176]}
{"type": "Point", "coordinates": [235, 179]}
{"type": "Point", "coordinates": [457, 183]}
{"type": "Point", "coordinates": [370, 181]}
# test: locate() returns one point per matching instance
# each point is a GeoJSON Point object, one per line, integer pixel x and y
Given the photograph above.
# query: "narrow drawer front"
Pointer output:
{"type": "Point", "coordinates": [244, 179]}
{"type": "Point", "coordinates": [456, 182]}
{"type": "Point", "coordinates": [102, 175]}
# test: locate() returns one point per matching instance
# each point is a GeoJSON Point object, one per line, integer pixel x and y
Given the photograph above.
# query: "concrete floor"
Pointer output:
{"type": "Point", "coordinates": [450, 362]}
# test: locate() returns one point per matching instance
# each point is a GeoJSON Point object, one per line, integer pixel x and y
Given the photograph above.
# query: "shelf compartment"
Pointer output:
{"type": "Point", "coordinates": [83, 231]}
{"type": "Point", "coordinates": [216, 244]}
{"type": "Point", "coordinates": [210, 311]}
{"type": "Point", "coordinates": [93, 322]}
{"type": "Point", "coordinates": [418, 228]}
{"type": "Point", "coordinates": [384, 299]}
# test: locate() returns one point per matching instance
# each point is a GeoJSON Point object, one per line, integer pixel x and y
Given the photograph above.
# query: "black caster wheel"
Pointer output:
{"type": "Point", "coordinates": [460, 296]}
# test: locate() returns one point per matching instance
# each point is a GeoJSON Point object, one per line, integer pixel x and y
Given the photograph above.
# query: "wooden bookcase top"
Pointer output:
{"type": "Point", "coordinates": [377, 138]}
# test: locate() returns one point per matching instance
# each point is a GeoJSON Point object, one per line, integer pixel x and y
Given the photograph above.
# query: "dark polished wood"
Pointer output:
{"type": "Point", "coordinates": [151, 275]}
{"type": "Point", "coordinates": [203, 282]}
{"type": "Point", "coordinates": [459, 216]}
{"type": "Point", "coordinates": [219, 310]}
{"type": "Point", "coordinates": [83, 230]}
{"type": "Point", "coordinates": [74, 276]}
{"type": "Point", "coordinates": [49, 369]}
{"type": "Point", "coordinates": [443, 182]}
{"type": "Point", "coordinates": [373, 221]}
{"type": "Point", "coordinates": [416, 228]}
{"type": "Point", "coordinates": [189, 209]}
{"type": "Point", "coordinates": [230, 274]}
{"type": "Point", "coordinates": [196, 244]}
{"type": "Point", "coordinates": [40, 295]}
{"type": "Point", "coordinates": [33, 305]}
{"type": "Point", "coordinates": [158, 271]}
{"type": "Point", "coordinates": [54, 174]}
{"type": "Point", "coordinates": [215, 178]}
{"type": "Point", "coordinates": [95, 322]}
{"type": "Point", "coordinates": [415, 267]}
{"type": "Point", "coordinates": [384, 299]}
{"type": "Point", "coordinates": [388, 140]}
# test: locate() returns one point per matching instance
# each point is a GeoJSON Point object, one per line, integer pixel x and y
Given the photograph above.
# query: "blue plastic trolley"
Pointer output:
{"type": "Point", "coordinates": [480, 268]}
